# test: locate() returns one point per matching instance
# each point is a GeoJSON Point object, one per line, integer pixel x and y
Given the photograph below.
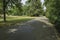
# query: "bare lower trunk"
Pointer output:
{"type": "Point", "coordinates": [4, 10]}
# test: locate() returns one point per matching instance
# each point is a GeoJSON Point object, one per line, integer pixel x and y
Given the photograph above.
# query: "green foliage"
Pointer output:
{"type": "Point", "coordinates": [53, 12]}
{"type": "Point", "coordinates": [34, 7]}
{"type": "Point", "coordinates": [15, 7]}
{"type": "Point", "coordinates": [1, 6]}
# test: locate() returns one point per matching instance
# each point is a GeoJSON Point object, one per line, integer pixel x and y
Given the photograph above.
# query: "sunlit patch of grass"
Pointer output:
{"type": "Point", "coordinates": [13, 20]}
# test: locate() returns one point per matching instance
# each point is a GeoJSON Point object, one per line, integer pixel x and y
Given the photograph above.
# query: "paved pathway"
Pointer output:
{"type": "Point", "coordinates": [36, 29]}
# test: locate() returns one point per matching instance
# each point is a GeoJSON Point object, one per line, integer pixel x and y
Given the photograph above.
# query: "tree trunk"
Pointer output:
{"type": "Point", "coordinates": [4, 10]}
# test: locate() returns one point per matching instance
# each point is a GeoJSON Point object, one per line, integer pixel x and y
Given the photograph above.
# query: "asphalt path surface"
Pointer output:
{"type": "Point", "coordinates": [37, 29]}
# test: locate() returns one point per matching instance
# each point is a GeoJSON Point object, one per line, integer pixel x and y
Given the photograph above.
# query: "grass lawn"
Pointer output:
{"type": "Point", "coordinates": [13, 20]}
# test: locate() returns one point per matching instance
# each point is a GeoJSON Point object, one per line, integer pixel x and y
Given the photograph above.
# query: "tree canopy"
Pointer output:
{"type": "Point", "coordinates": [53, 9]}
{"type": "Point", "coordinates": [35, 7]}
{"type": "Point", "coordinates": [53, 12]}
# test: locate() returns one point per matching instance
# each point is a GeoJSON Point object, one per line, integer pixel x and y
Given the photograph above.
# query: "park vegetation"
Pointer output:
{"type": "Point", "coordinates": [32, 8]}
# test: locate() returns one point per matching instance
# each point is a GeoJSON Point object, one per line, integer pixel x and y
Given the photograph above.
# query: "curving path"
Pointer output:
{"type": "Point", "coordinates": [36, 29]}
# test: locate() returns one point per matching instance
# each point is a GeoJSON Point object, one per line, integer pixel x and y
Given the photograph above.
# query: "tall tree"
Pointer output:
{"type": "Point", "coordinates": [50, 11]}
{"type": "Point", "coordinates": [6, 4]}
{"type": "Point", "coordinates": [4, 10]}
{"type": "Point", "coordinates": [53, 9]}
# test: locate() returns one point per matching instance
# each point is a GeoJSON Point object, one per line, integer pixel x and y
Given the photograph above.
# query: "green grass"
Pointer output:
{"type": "Point", "coordinates": [14, 20]}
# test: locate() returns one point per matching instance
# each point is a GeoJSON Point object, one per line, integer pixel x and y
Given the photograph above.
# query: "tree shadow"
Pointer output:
{"type": "Point", "coordinates": [33, 30]}
{"type": "Point", "coordinates": [57, 26]}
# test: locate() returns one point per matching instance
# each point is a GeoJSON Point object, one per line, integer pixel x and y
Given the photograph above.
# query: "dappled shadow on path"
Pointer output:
{"type": "Point", "coordinates": [32, 30]}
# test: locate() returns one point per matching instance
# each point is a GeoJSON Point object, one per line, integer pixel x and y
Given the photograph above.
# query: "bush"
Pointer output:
{"type": "Point", "coordinates": [37, 15]}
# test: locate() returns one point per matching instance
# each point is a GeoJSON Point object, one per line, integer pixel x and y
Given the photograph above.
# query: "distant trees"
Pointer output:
{"type": "Point", "coordinates": [34, 7]}
{"type": "Point", "coordinates": [15, 7]}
